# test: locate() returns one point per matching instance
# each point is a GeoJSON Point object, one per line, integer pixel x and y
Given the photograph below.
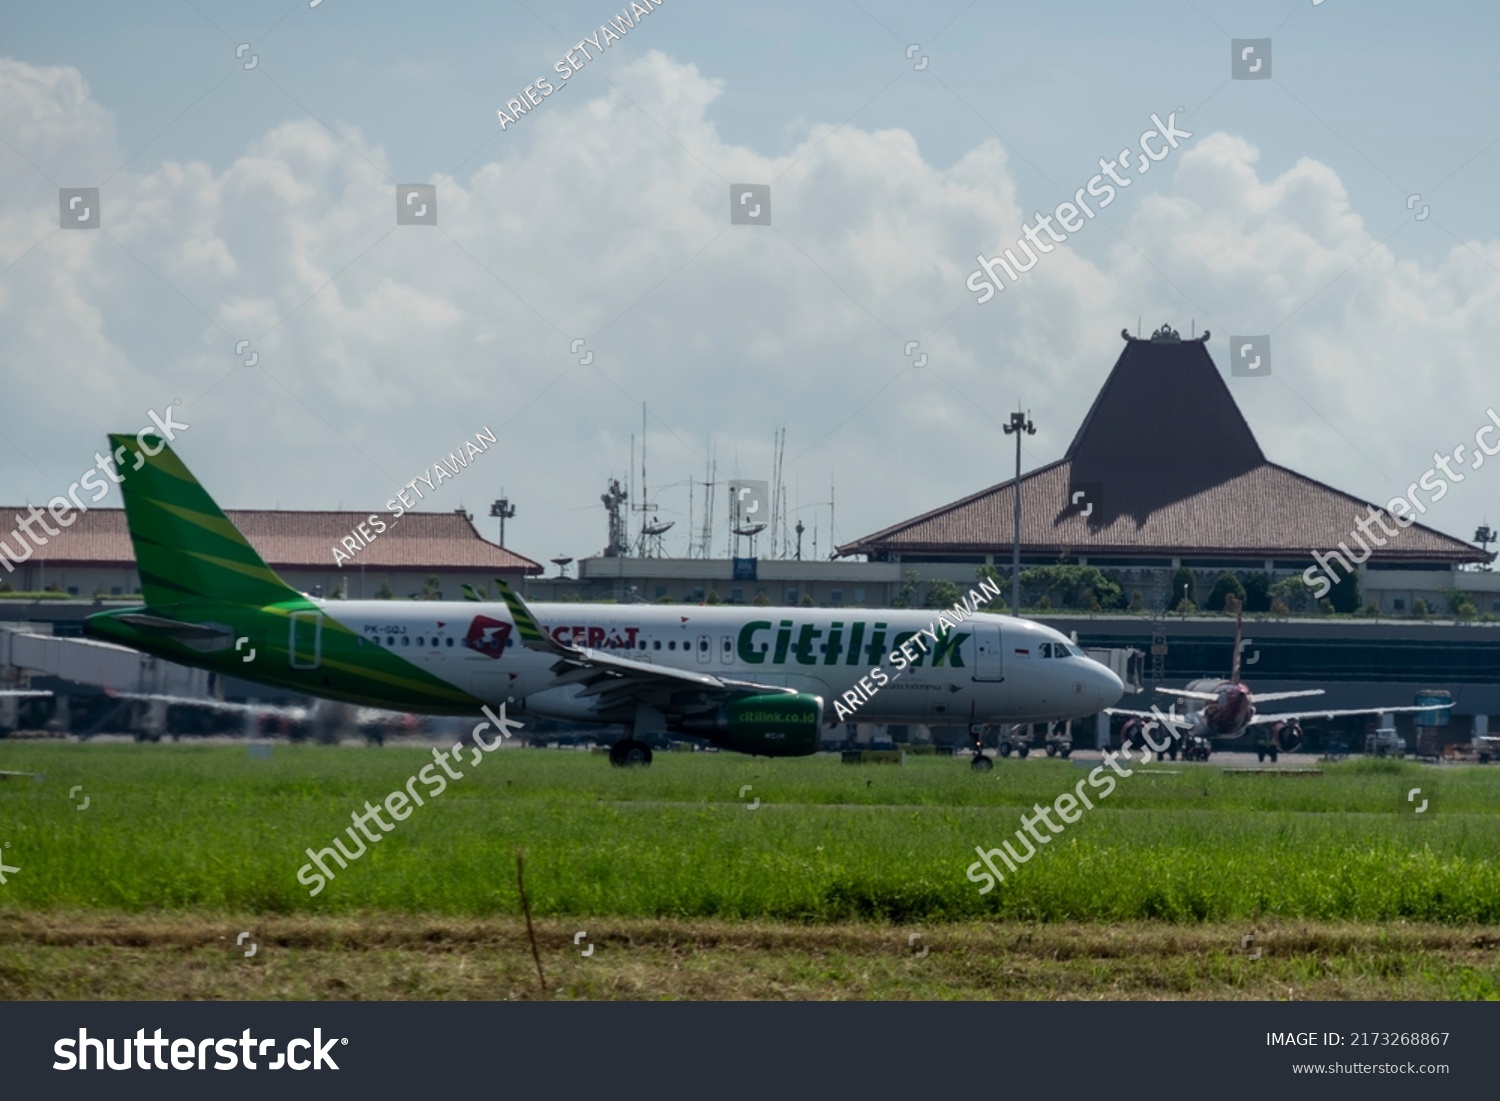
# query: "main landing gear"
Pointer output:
{"type": "Point", "coordinates": [628, 753]}
{"type": "Point", "coordinates": [980, 763]}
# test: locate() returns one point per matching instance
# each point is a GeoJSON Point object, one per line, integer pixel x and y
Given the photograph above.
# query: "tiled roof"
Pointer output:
{"type": "Point", "coordinates": [291, 540]}
{"type": "Point", "coordinates": [1168, 466]}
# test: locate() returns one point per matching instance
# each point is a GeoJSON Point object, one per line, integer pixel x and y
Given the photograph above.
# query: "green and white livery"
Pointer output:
{"type": "Point", "coordinates": [754, 680]}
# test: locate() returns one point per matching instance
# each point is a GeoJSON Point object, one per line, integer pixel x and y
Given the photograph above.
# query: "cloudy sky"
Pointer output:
{"type": "Point", "coordinates": [259, 204]}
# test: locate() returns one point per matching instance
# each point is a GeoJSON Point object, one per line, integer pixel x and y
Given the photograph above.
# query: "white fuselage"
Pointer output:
{"type": "Point", "coordinates": [987, 669]}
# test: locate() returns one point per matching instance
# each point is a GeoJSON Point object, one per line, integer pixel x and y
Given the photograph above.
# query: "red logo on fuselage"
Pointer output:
{"type": "Point", "coordinates": [596, 637]}
{"type": "Point", "coordinates": [488, 636]}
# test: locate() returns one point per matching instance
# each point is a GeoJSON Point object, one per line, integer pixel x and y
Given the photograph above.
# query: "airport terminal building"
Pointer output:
{"type": "Point", "coordinates": [93, 556]}
{"type": "Point", "coordinates": [1164, 472]}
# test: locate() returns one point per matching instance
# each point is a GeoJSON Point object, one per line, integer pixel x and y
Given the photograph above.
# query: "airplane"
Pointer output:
{"type": "Point", "coordinates": [752, 680]}
{"type": "Point", "coordinates": [1227, 711]}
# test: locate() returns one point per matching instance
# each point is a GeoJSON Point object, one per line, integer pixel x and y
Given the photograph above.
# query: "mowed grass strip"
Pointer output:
{"type": "Point", "coordinates": [207, 830]}
{"type": "Point", "coordinates": [92, 956]}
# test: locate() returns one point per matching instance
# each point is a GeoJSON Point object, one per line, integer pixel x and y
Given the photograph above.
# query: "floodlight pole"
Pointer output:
{"type": "Point", "coordinates": [1020, 423]}
{"type": "Point", "coordinates": [505, 511]}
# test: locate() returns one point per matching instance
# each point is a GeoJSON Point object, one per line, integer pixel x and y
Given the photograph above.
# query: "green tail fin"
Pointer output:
{"type": "Point", "coordinates": [186, 550]}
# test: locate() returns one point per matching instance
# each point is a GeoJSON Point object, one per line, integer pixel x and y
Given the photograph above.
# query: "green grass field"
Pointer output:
{"type": "Point", "coordinates": [196, 836]}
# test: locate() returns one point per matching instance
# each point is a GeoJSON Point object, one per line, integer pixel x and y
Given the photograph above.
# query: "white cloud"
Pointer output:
{"type": "Point", "coordinates": [405, 340]}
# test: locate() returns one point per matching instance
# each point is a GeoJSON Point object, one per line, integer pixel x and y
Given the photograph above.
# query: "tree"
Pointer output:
{"type": "Point", "coordinates": [432, 588]}
{"type": "Point", "coordinates": [942, 594]}
{"type": "Point", "coordinates": [1184, 589]}
{"type": "Point", "coordinates": [713, 597]}
{"type": "Point", "coordinates": [908, 591]}
{"type": "Point", "coordinates": [1137, 601]}
{"type": "Point", "coordinates": [991, 574]}
{"type": "Point", "coordinates": [384, 592]}
{"type": "Point", "coordinates": [761, 600]}
{"type": "Point", "coordinates": [1258, 593]}
{"type": "Point", "coordinates": [1294, 593]}
{"type": "Point", "coordinates": [1344, 596]}
{"type": "Point", "coordinates": [1071, 586]}
{"type": "Point", "coordinates": [806, 601]}
{"type": "Point", "coordinates": [1419, 608]}
{"type": "Point", "coordinates": [1225, 585]}
{"type": "Point", "coordinates": [1459, 604]}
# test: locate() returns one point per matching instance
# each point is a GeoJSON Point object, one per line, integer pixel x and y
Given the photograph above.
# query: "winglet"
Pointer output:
{"type": "Point", "coordinates": [532, 635]}
{"type": "Point", "coordinates": [470, 593]}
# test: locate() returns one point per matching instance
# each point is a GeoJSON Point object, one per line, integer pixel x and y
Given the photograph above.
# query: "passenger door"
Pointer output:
{"type": "Point", "coordinates": [987, 662]}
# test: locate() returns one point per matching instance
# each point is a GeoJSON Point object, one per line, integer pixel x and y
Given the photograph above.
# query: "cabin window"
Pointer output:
{"type": "Point", "coordinates": [450, 641]}
{"type": "Point", "coordinates": [420, 640]}
{"type": "Point", "coordinates": [405, 640]}
{"type": "Point", "coordinates": [672, 645]}
{"type": "Point", "coordinates": [656, 645]}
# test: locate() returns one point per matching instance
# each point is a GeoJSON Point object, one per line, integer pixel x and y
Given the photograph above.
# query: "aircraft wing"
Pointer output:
{"type": "Point", "coordinates": [1206, 697]}
{"type": "Point", "coordinates": [1155, 716]}
{"type": "Point", "coordinates": [617, 680]}
{"type": "Point", "coordinates": [22, 693]}
{"type": "Point", "coordinates": [216, 705]}
{"type": "Point", "coordinates": [1289, 716]}
{"type": "Point", "coordinates": [1262, 697]}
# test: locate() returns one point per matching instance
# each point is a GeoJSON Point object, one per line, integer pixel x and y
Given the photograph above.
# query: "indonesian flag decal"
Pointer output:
{"type": "Point", "coordinates": [1022, 653]}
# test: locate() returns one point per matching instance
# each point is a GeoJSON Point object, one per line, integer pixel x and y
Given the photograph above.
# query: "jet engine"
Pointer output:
{"type": "Point", "coordinates": [1286, 736]}
{"type": "Point", "coordinates": [771, 725]}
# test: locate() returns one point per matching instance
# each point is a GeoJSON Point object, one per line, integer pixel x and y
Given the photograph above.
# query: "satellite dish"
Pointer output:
{"type": "Point", "coordinates": [753, 529]}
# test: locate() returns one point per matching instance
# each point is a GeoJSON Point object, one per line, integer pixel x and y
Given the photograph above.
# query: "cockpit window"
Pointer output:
{"type": "Point", "coordinates": [1046, 649]}
{"type": "Point", "coordinates": [1075, 651]}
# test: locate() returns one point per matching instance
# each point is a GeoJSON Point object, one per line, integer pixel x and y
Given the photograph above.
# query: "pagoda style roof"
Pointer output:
{"type": "Point", "coordinates": [1164, 464]}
